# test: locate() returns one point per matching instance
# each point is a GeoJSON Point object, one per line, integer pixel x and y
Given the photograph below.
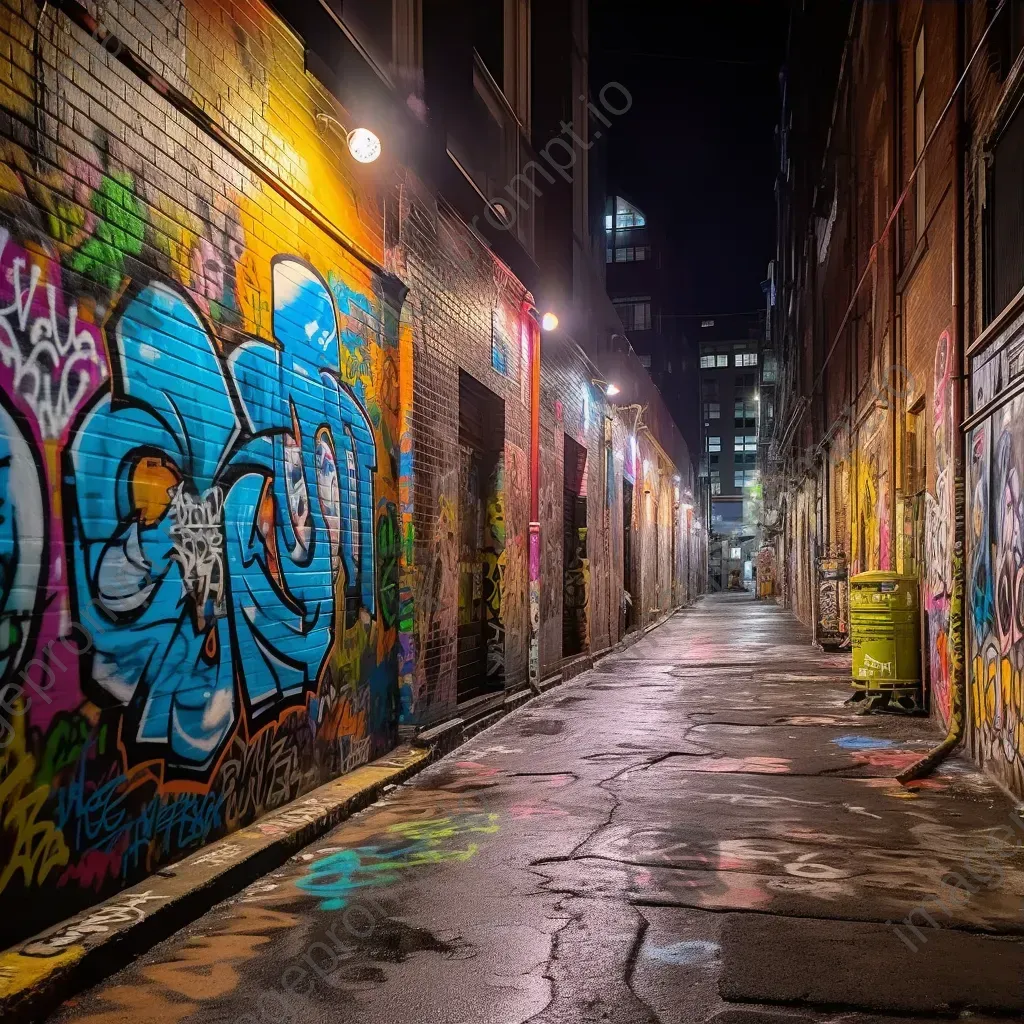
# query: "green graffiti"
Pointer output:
{"type": "Point", "coordinates": [65, 743]}
{"type": "Point", "coordinates": [388, 550]}
{"type": "Point", "coordinates": [119, 233]}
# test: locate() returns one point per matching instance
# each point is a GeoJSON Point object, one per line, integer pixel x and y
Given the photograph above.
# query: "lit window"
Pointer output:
{"type": "Point", "coordinates": [712, 410]}
{"type": "Point", "coordinates": [745, 443]}
{"type": "Point", "coordinates": [714, 444]}
{"type": "Point", "coordinates": [707, 362]}
{"type": "Point", "coordinates": [722, 360]}
{"type": "Point", "coordinates": [608, 225]}
{"type": "Point", "coordinates": [627, 215]}
{"type": "Point", "coordinates": [716, 483]}
{"type": "Point", "coordinates": [707, 323]}
{"type": "Point", "coordinates": [745, 414]}
{"type": "Point", "coordinates": [746, 359]}
{"type": "Point", "coordinates": [624, 255]}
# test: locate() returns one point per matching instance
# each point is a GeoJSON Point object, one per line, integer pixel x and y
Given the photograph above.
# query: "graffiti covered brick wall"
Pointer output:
{"type": "Point", "coordinates": [199, 446]}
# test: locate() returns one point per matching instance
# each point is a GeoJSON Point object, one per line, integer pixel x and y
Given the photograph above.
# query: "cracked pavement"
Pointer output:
{"type": "Point", "coordinates": [697, 830]}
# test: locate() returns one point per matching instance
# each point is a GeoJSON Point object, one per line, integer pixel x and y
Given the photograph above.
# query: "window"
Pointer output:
{"type": "Point", "coordinates": [707, 362]}
{"type": "Point", "coordinates": [707, 323]}
{"type": "Point", "coordinates": [917, 448]}
{"type": "Point", "coordinates": [1004, 217]}
{"type": "Point", "coordinates": [715, 458]}
{"type": "Point", "coordinates": [768, 373]}
{"type": "Point", "coordinates": [746, 458]}
{"type": "Point", "coordinates": [716, 483]}
{"type": "Point", "coordinates": [746, 359]}
{"type": "Point", "coordinates": [712, 410]}
{"type": "Point", "coordinates": [710, 388]}
{"type": "Point", "coordinates": [722, 360]}
{"type": "Point", "coordinates": [746, 380]}
{"type": "Point", "coordinates": [745, 414]}
{"type": "Point", "coordinates": [745, 443]}
{"type": "Point", "coordinates": [609, 224]}
{"type": "Point", "coordinates": [715, 444]}
{"type": "Point", "coordinates": [627, 215]}
{"type": "Point", "coordinates": [746, 477]}
{"type": "Point", "coordinates": [919, 136]}
{"type": "Point", "coordinates": [608, 255]}
{"type": "Point", "coordinates": [635, 314]}
{"type": "Point", "coordinates": [632, 253]}
{"type": "Point", "coordinates": [736, 552]}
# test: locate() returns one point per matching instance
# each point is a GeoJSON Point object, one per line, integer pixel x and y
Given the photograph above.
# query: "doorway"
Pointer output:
{"type": "Point", "coordinates": [575, 564]}
{"type": "Point", "coordinates": [629, 595]}
{"type": "Point", "coordinates": [481, 636]}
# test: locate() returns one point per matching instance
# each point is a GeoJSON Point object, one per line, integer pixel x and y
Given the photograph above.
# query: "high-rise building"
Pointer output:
{"type": "Point", "coordinates": [729, 350]}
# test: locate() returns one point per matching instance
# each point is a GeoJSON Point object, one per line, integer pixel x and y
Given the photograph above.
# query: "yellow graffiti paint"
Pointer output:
{"type": "Point", "coordinates": [23, 973]}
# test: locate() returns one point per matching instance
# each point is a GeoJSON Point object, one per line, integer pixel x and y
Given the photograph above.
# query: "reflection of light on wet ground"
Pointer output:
{"type": "Point", "coordinates": [693, 951]}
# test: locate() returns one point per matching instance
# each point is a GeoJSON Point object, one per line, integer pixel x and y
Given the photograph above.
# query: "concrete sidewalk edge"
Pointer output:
{"type": "Point", "coordinates": [37, 975]}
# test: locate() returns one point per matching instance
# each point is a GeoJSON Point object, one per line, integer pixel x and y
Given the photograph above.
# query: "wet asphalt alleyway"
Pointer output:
{"type": "Point", "coordinates": [697, 830]}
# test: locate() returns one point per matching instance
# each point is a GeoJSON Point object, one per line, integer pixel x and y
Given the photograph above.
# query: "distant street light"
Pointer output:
{"type": "Point", "coordinates": [612, 390]}
{"type": "Point", "coordinates": [549, 321]}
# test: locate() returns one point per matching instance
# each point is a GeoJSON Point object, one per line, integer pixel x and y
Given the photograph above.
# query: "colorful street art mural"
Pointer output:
{"type": "Point", "coordinates": [939, 532]}
{"type": "Point", "coordinates": [995, 589]}
{"type": "Point", "coordinates": [199, 547]}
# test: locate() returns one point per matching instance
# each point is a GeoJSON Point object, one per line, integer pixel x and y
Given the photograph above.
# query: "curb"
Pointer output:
{"type": "Point", "coordinates": [37, 975]}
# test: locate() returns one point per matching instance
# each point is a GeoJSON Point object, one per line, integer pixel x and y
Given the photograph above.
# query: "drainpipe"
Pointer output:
{"type": "Point", "coordinates": [530, 322]}
{"type": "Point", "coordinates": [957, 636]}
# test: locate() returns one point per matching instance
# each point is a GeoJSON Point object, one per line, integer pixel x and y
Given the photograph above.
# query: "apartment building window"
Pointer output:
{"type": "Point", "coordinates": [626, 215]}
{"type": "Point", "coordinates": [716, 483]}
{"type": "Point", "coordinates": [722, 359]}
{"type": "Point", "coordinates": [714, 444]}
{"type": "Point", "coordinates": [712, 410]}
{"type": "Point", "coordinates": [746, 359]}
{"type": "Point", "coordinates": [629, 254]}
{"type": "Point", "coordinates": [746, 477]}
{"type": "Point", "coordinates": [745, 443]}
{"type": "Point", "coordinates": [707, 362]}
{"type": "Point", "coordinates": [768, 373]}
{"type": "Point", "coordinates": [709, 386]}
{"type": "Point", "coordinates": [1004, 219]}
{"type": "Point", "coordinates": [745, 415]}
{"type": "Point", "coordinates": [635, 314]}
{"type": "Point", "coordinates": [746, 380]}
{"type": "Point", "coordinates": [919, 133]}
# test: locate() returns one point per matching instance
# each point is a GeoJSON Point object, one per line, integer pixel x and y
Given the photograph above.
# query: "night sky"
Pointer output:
{"type": "Point", "coordinates": [697, 148]}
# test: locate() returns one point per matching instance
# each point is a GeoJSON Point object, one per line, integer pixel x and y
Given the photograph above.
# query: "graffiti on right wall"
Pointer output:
{"type": "Point", "coordinates": [939, 532]}
{"type": "Point", "coordinates": [995, 587]}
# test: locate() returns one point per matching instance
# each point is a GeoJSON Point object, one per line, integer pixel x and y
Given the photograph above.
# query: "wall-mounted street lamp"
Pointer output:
{"type": "Point", "coordinates": [610, 390]}
{"type": "Point", "coordinates": [549, 321]}
{"type": "Point", "coordinates": [363, 145]}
